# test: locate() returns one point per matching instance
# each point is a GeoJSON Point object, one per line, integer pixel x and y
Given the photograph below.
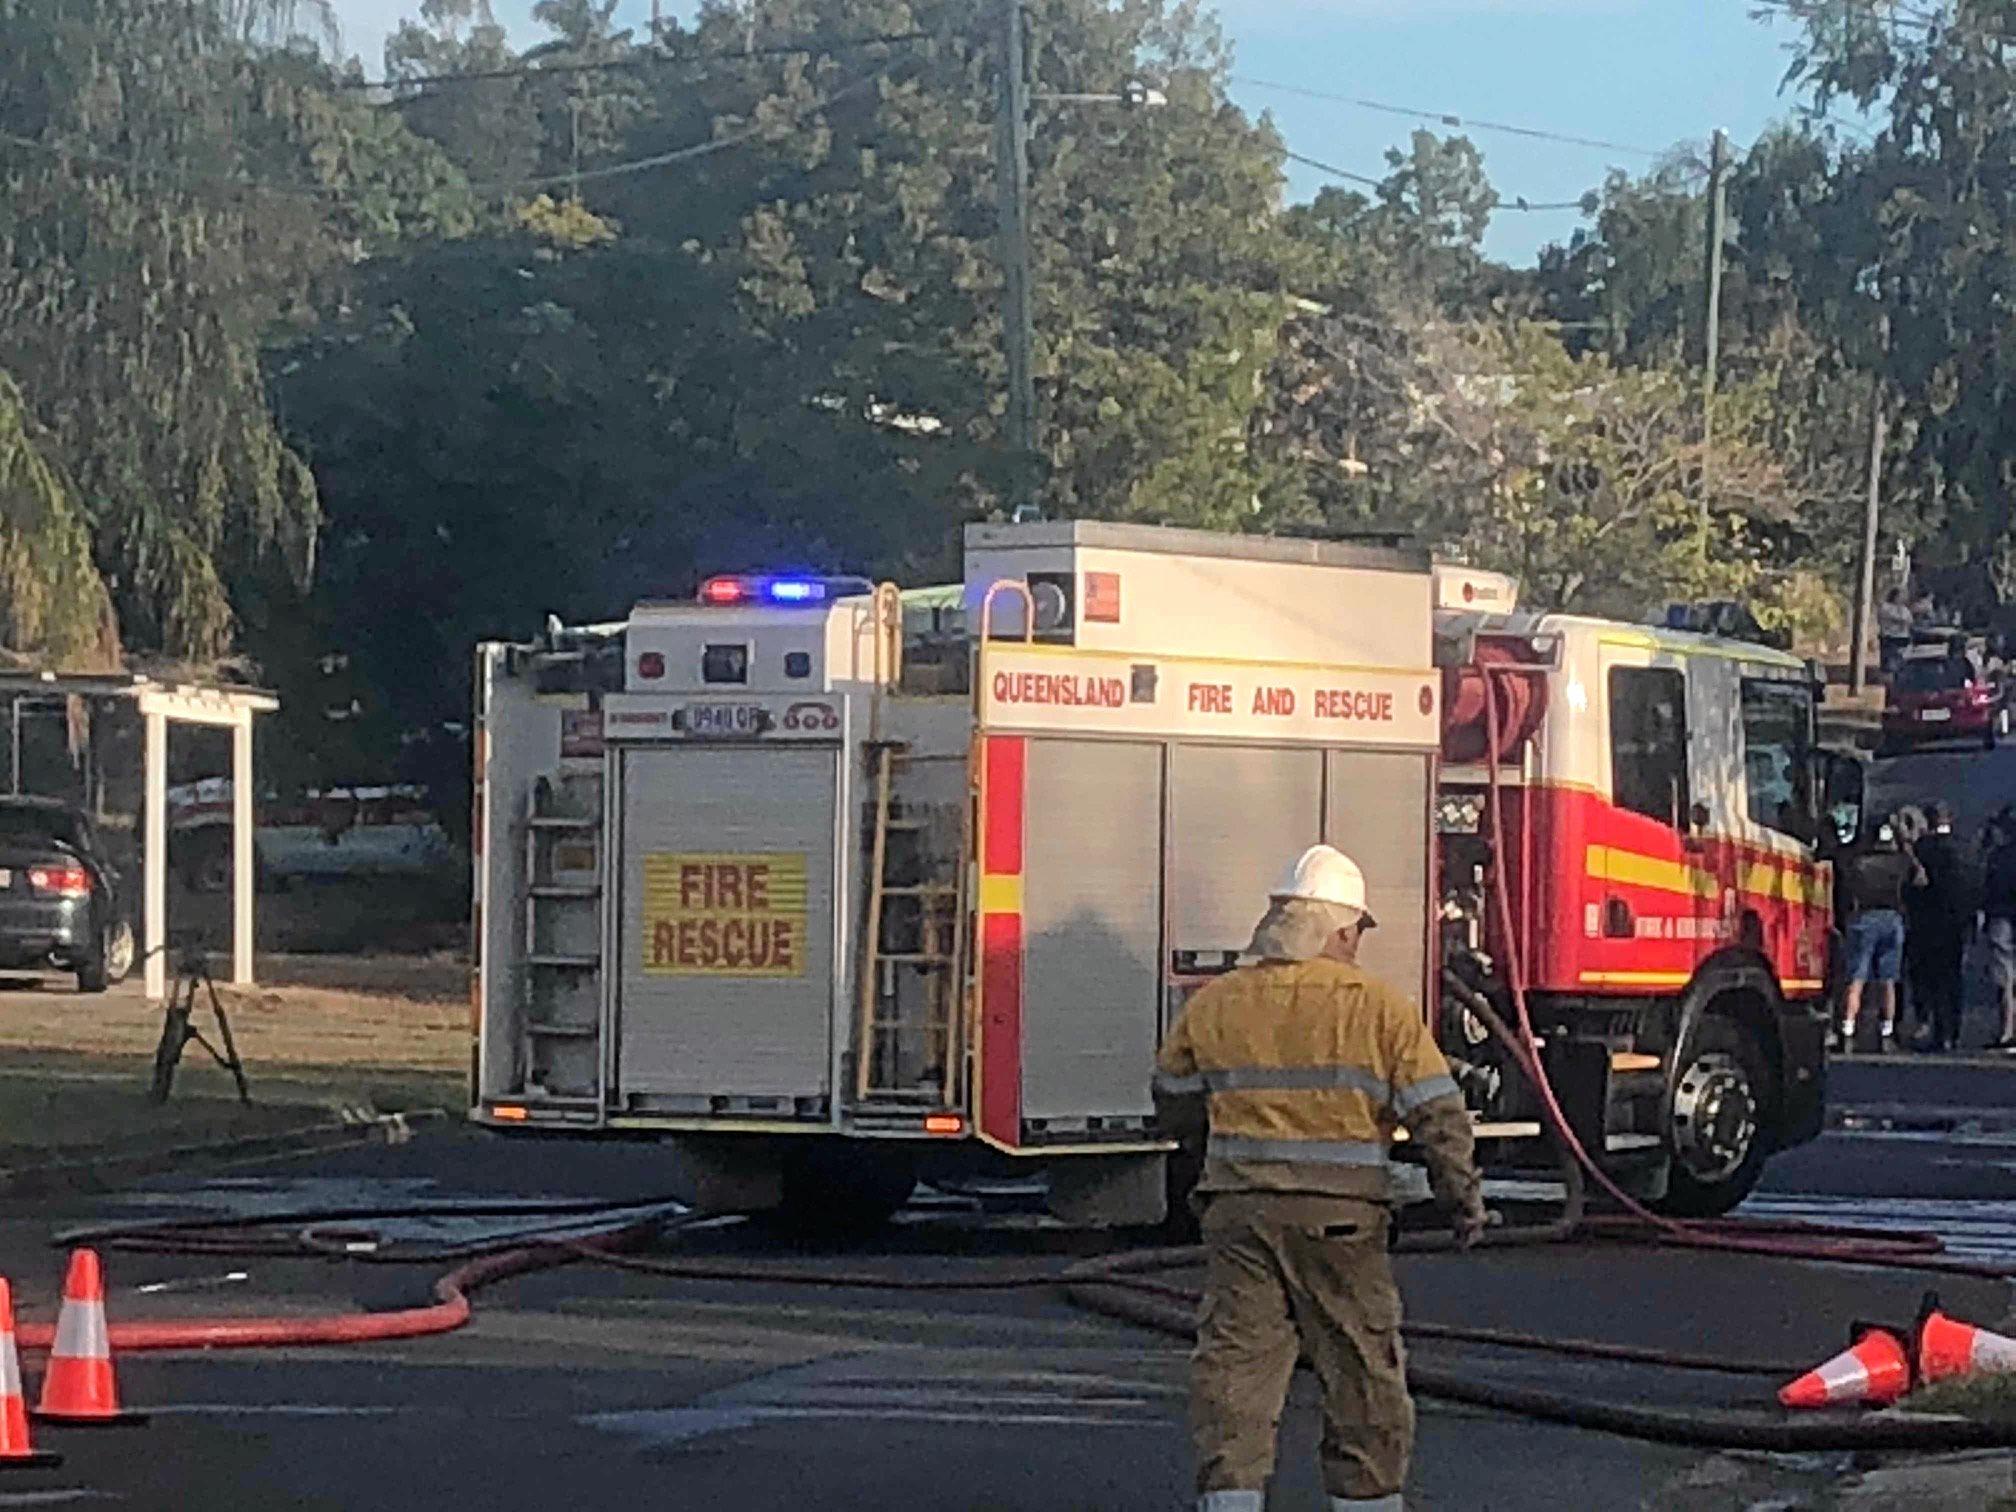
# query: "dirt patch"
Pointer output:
{"type": "Point", "coordinates": [277, 1027]}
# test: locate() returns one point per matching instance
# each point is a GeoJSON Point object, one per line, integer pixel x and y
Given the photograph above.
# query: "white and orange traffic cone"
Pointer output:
{"type": "Point", "coordinates": [79, 1387]}
{"type": "Point", "coordinates": [1948, 1347]}
{"type": "Point", "coordinates": [1875, 1369]}
{"type": "Point", "coordinates": [16, 1451]}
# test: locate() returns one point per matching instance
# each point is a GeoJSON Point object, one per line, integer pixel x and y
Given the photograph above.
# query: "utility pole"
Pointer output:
{"type": "Point", "coordinates": [1865, 579]}
{"type": "Point", "coordinates": [1018, 330]}
{"type": "Point", "coordinates": [1711, 344]}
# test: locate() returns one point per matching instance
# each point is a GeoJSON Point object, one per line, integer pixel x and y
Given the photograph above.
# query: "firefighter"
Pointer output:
{"type": "Point", "coordinates": [1302, 1065]}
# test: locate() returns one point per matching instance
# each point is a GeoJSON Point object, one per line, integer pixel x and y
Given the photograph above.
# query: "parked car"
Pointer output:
{"type": "Point", "coordinates": [62, 903]}
{"type": "Point", "coordinates": [1944, 693]}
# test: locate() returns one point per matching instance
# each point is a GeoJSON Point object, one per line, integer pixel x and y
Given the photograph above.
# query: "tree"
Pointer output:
{"type": "Point", "coordinates": [1495, 445]}
{"type": "Point", "coordinates": [1937, 255]}
{"type": "Point", "coordinates": [53, 605]}
{"type": "Point", "coordinates": [489, 128]}
{"type": "Point", "coordinates": [181, 197]}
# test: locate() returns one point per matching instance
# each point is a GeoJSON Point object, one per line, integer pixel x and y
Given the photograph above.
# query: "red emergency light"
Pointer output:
{"type": "Point", "coordinates": [724, 590]}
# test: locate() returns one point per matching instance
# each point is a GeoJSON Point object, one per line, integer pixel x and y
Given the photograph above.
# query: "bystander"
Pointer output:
{"type": "Point", "coordinates": [1937, 917]}
{"type": "Point", "coordinates": [1998, 909]}
{"type": "Point", "coordinates": [1874, 879]}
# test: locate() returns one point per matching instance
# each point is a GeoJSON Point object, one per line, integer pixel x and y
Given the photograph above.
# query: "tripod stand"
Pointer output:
{"type": "Point", "coordinates": [178, 1029]}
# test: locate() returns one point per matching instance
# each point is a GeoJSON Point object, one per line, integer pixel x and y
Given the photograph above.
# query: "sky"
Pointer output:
{"type": "Point", "coordinates": [1635, 73]}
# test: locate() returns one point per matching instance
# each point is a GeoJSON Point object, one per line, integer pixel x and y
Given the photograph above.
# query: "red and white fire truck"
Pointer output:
{"type": "Point", "coordinates": [840, 887]}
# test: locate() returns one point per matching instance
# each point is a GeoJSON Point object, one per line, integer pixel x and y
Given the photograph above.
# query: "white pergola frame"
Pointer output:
{"type": "Point", "coordinates": [161, 704]}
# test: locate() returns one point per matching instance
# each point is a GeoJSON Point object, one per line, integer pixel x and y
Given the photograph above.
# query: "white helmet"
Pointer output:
{"type": "Point", "coordinates": [1324, 874]}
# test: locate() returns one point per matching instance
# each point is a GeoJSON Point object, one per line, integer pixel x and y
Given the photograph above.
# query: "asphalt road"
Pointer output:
{"type": "Point", "coordinates": [586, 1387]}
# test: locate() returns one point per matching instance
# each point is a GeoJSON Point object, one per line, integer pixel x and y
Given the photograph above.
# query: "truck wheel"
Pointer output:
{"type": "Point", "coordinates": [1716, 1123]}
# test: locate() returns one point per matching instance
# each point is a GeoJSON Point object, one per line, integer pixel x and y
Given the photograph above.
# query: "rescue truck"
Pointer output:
{"type": "Point", "coordinates": [839, 888]}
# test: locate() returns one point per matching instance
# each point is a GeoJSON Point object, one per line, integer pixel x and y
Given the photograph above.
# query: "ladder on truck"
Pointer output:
{"type": "Point", "coordinates": [561, 999]}
{"type": "Point", "coordinates": [913, 949]}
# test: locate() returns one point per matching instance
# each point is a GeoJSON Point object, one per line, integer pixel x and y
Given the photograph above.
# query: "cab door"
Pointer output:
{"type": "Point", "coordinates": [1780, 906]}
{"type": "Point", "coordinates": [1644, 855]}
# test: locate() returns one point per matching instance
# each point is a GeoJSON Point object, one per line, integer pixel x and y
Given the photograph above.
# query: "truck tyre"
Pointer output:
{"type": "Point", "coordinates": [1718, 1119]}
{"type": "Point", "coordinates": [838, 1193]}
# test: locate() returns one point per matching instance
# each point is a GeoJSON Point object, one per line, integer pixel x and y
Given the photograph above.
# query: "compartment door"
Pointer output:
{"type": "Point", "coordinates": [727, 929]}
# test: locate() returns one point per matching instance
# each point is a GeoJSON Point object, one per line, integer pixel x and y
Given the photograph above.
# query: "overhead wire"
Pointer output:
{"type": "Point", "coordinates": [337, 197]}
{"type": "Point", "coordinates": [654, 58]}
{"type": "Point", "coordinates": [1517, 202]}
{"type": "Point", "coordinates": [1450, 118]}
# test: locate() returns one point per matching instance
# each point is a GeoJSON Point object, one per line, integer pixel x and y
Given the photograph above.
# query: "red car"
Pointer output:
{"type": "Point", "coordinates": [1942, 695]}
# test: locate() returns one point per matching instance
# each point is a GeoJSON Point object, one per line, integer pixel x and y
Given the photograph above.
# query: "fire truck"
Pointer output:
{"type": "Point", "coordinates": [839, 888]}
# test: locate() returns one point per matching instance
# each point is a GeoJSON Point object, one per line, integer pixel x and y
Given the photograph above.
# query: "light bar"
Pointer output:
{"type": "Point", "coordinates": [739, 588]}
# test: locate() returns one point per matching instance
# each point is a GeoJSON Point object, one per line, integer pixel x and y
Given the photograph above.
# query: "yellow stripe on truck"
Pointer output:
{"type": "Point", "coordinates": [1756, 879]}
{"type": "Point", "coordinates": [1763, 880]}
{"type": "Point", "coordinates": [1608, 864]}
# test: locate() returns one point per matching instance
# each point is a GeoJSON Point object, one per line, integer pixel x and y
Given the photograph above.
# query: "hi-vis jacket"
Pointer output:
{"type": "Point", "coordinates": [1307, 1069]}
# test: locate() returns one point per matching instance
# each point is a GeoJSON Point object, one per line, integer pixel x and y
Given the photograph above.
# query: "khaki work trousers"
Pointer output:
{"type": "Point", "coordinates": [1292, 1273]}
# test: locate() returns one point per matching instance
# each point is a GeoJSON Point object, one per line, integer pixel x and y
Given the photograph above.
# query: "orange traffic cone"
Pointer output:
{"type": "Point", "coordinates": [79, 1386]}
{"type": "Point", "coordinates": [1875, 1369]}
{"type": "Point", "coordinates": [15, 1449]}
{"type": "Point", "coordinates": [1948, 1347]}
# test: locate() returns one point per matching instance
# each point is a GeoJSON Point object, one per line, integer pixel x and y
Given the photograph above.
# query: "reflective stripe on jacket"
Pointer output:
{"type": "Point", "coordinates": [1307, 1068]}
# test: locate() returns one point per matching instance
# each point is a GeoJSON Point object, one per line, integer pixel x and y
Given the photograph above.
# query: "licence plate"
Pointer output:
{"type": "Point", "coordinates": [6, 877]}
{"type": "Point", "coordinates": [1935, 716]}
{"type": "Point", "coordinates": [711, 721]}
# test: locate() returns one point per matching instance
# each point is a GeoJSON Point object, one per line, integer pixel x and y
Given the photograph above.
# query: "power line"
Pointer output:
{"type": "Point", "coordinates": [679, 154]}
{"type": "Point", "coordinates": [1342, 173]}
{"type": "Point", "coordinates": [1512, 202]}
{"type": "Point", "coordinates": [336, 197]}
{"type": "Point", "coordinates": [1448, 118]}
{"type": "Point", "coordinates": [637, 60]}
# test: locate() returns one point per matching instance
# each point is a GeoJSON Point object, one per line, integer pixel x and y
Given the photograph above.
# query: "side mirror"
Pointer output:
{"type": "Point", "coordinates": [1697, 817]}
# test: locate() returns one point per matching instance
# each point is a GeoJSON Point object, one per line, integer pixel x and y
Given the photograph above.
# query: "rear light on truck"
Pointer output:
{"type": "Point", "coordinates": [60, 881]}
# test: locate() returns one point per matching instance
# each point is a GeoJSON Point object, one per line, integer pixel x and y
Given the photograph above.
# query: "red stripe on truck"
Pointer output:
{"type": "Point", "coordinates": [1000, 1026]}
{"type": "Point", "coordinates": [1007, 765]}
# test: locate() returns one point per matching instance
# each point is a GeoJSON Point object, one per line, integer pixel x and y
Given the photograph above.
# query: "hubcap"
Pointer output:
{"type": "Point", "coordinates": [119, 952]}
{"type": "Point", "coordinates": [1714, 1117]}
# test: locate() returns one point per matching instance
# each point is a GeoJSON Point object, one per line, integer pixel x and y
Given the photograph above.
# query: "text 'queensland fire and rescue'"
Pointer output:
{"type": "Point", "coordinates": [724, 914]}
{"type": "Point", "coordinates": [1083, 691]}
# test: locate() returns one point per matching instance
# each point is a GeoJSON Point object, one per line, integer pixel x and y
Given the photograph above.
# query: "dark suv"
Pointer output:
{"type": "Point", "coordinates": [62, 904]}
